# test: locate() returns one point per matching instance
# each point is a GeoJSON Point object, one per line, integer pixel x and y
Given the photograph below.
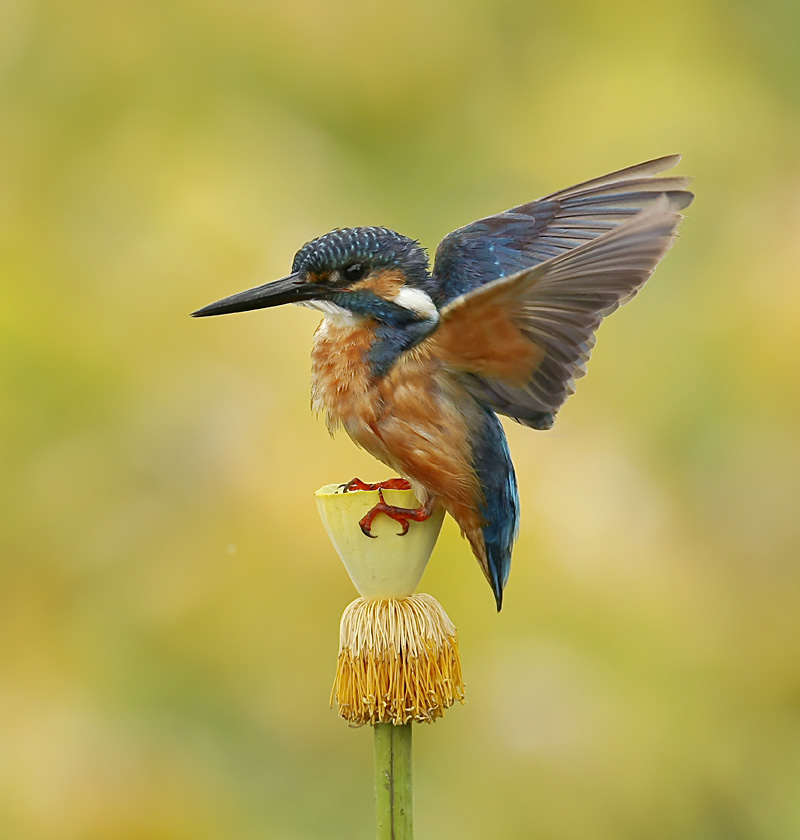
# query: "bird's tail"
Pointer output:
{"type": "Point", "coordinates": [499, 508]}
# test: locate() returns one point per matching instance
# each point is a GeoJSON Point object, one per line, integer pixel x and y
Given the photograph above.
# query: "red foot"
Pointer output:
{"type": "Point", "coordinates": [389, 484]}
{"type": "Point", "coordinates": [399, 514]}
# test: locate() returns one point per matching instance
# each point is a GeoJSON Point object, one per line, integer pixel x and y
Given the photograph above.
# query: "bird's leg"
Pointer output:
{"type": "Point", "coordinates": [399, 514]}
{"type": "Point", "coordinates": [389, 484]}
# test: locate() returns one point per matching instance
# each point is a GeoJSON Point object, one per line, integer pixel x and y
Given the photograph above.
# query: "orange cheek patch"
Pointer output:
{"type": "Point", "coordinates": [385, 283]}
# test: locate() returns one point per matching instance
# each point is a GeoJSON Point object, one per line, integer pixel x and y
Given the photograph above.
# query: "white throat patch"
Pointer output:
{"type": "Point", "coordinates": [336, 315]}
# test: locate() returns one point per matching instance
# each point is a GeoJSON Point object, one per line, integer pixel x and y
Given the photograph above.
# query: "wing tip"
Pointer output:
{"type": "Point", "coordinates": [647, 168]}
{"type": "Point", "coordinates": [683, 198]}
{"type": "Point", "coordinates": [668, 160]}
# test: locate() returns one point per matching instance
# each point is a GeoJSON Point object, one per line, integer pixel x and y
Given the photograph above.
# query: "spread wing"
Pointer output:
{"type": "Point", "coordinates": [519, 342]}
{"type": "Point", "coordinates": [532, 233]}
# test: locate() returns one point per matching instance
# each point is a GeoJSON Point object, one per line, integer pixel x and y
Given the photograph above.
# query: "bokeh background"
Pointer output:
{"type": "Point", "coordinates": [168, 599]}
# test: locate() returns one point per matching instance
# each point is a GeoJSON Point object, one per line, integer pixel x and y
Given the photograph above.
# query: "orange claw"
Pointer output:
{"type": "Point", "coordinates": [389, 484]}
{"type": "Point", "coordinates": [399, 514]}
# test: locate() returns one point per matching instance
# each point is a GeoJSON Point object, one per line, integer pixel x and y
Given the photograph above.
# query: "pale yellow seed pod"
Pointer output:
{"type": "Point", "coordinates": [389, 566]}
{"type": "Point", "coordinates": [398, 652]}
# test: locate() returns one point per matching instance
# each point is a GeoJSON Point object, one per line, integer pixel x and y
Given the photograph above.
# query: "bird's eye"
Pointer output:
{"type": "Point", "coordinates": [355, 271]}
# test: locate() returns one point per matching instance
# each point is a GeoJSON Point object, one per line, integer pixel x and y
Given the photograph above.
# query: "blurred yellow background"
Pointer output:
{"type": "Point", "coordinates": [168, 599]}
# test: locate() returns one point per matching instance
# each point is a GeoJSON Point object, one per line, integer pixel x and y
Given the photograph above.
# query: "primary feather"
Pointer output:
{"type": "Point", "coordinates": [531, 233]}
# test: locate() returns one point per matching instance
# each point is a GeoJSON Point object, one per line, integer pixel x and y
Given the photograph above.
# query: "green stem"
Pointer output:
{"type": "Point", "coordinates": [393, 790]}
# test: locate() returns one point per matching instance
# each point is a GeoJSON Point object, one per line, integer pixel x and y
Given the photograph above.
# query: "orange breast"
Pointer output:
{"type": "Point", "coordinates": [416, 419]}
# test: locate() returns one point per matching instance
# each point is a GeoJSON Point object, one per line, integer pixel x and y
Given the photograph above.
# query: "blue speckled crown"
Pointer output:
{"type": "Point", "coordinates": [375, 245]}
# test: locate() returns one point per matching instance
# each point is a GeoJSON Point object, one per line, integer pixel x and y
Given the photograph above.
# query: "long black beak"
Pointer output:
{"type": "Point", "coordinates": [291, 289]}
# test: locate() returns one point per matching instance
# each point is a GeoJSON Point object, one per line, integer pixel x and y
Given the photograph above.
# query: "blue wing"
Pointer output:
{"type": "Point", "coordinates": [529, 234]}
{"type": "Point", "coordinates": [551, 310]}
{"type": "Point", "coordinates": [500, 508]}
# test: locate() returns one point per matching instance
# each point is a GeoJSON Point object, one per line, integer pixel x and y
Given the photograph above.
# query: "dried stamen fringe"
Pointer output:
{"type": "Point", "coordinates": [398, 661]}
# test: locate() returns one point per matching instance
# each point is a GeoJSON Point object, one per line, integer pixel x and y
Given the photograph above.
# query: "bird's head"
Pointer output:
{"type": "Point", "coordinates": [369, 272]}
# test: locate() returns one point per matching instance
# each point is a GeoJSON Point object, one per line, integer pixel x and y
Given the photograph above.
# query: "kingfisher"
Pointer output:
{"type": "Point", "coordinates": [416, 363]}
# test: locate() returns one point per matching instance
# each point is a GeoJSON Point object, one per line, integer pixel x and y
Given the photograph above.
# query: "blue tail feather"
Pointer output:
{"type": "Point", "coordinates": [500, 509]}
